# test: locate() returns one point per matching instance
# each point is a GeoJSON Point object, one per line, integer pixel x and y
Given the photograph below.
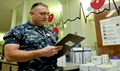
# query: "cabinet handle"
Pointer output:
{"type": "Point", "coordinates": [10, 68]}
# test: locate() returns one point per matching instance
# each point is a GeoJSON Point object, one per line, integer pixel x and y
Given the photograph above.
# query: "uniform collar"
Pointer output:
{"type": "Point", "coordinates": [30, 25]}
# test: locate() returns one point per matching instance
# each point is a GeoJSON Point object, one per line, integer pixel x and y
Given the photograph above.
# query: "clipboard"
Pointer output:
{"type": "Point", "coordinates": [68, 42]}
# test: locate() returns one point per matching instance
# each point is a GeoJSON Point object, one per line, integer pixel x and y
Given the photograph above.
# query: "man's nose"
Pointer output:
{"type": "Point", "coordinates": [46, 16]}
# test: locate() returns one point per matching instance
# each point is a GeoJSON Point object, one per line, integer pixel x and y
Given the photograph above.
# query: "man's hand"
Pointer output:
{"type": "Point", "coordinates": [50, 50]}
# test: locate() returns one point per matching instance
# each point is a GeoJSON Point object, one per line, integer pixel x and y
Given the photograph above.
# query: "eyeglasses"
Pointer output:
{"type": "Point", "coordinates": [44, 14]}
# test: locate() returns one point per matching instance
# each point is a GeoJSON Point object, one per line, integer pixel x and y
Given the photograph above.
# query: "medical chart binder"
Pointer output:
{"type": "Point", "coordinates": [68, 42]}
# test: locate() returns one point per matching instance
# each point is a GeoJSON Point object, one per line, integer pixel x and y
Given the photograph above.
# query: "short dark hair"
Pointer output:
{"type": "Point", "coordinates": [38, 4]}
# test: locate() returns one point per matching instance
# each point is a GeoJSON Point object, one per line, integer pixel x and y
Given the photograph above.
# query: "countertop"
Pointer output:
{"type": "Point", "coordinates": [62, 65]}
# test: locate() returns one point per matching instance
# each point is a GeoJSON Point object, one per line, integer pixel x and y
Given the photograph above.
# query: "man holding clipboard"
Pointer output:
{"type": "Point", "coordinates": [69, 41]}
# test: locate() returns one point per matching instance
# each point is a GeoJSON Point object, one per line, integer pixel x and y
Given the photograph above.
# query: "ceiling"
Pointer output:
{"type": "Point", "coordinates": [6, 7]}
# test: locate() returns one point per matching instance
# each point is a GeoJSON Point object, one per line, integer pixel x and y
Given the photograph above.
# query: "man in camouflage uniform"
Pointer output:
{"type": "Point", "coordinates": [31, 45]}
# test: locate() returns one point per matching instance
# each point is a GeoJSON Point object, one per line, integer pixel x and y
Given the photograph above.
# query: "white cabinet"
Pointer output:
{"type": "Point", "coordinates": [5, 67]}
{"type": "Point", "coordinates": [14, 68]}
{"type": "Point", "coordinates": [9, 67]}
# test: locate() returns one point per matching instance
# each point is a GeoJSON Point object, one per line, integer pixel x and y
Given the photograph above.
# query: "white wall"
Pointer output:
{"type": "Point", "coordinates": [89, 31]}
{"type": "Point", "coordinates": [1, 42]}
{"type": "Point", "coordinates": [71, 11]}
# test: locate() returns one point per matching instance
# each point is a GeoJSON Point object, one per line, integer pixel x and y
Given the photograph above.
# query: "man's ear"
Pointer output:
{"type": "Point", "coordinates": [31, 13]}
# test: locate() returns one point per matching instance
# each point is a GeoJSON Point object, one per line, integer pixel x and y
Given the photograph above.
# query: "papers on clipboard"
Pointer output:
{"type": "Point", "coordinates": [69, 41]}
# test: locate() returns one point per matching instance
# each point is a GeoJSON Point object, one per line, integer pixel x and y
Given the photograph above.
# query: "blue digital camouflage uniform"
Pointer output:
{"type": "Point", "coordinates": [30, 37]}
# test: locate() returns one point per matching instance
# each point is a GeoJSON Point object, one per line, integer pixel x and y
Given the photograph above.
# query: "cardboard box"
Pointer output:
{"type": "Point", "coordinates": [105, 58]}
{"type": "Point", "coordinates": [96, 60]}
{"type": "Point", "coordinates": [85, 67]}
{"type": "Point", "coordinates": [92, 68]}
{"type": "Point", "coordinates": [115, 62]}
{"type": "Point", "coordinates": [107, 67]}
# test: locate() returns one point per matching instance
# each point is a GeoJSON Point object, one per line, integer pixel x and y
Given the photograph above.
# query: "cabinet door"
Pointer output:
{"type": "Point", "coordinates": [5, 67]}
{"type": "Point", "coordinates": [14, 68]}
